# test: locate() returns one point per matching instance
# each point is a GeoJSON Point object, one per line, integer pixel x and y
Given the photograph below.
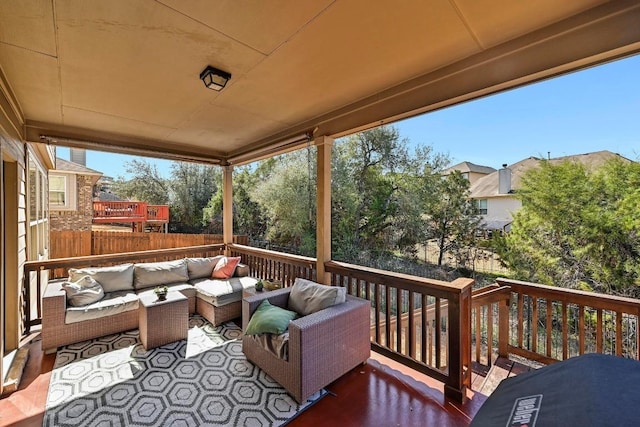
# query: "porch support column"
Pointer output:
{"type": "Point", "coordinates": [323, 206]}
{"type": "Point", "coordinates": [227, 206]}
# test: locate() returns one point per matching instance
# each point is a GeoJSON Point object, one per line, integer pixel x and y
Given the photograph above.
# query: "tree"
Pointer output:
{"type": "Point", "coordinates": [285, 194]}
{"type": "Point", "coordinates": [146, 184]}
{"type": "Point", "coordinates": [578, 227]}
{"type": "Point", "coordinates": [248, 216]}
{"type": "Point", "coordinates": [378, 189]}
{"type": "Point", "coordinates": [192, 186]}
{"type": "Point", "coordinates": [453, 218]}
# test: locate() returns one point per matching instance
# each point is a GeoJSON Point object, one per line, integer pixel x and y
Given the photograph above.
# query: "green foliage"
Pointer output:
{"type": "Point", "coordinates": [578, 228]}
{"type": "Point", "coordinates": [377, 191]}
{"type": "Point", "coordinates": [192, 187]}
{"type": "Point", "coordinates": [285, 195]}
{"type": "Point", "coordinates": [146, 184]}
{"type": "Point", "coordinates": [385, 200]}
{"type": "Point", "coordinates": [452, 218]}
{"type": "Point", "coordinates": [248, 216]}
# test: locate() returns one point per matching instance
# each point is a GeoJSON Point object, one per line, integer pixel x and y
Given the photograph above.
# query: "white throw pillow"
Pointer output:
{"type": "Point", "coordinates": [84, 291]}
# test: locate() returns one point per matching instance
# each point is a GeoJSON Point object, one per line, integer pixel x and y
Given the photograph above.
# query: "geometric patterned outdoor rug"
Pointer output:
{"type": "Point", "coordinates": [203, 381]}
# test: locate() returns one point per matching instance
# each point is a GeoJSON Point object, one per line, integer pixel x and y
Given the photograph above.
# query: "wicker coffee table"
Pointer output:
{"type": "Point", "coordinates": [162, 322]}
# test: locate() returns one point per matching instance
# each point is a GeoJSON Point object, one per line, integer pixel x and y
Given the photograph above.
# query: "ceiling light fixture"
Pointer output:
{"type": "Point", "coordinates": [214, 79]}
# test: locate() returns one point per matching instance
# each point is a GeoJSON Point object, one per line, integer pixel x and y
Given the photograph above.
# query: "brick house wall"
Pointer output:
{"type": "Point", "coordinates": [81, 218]}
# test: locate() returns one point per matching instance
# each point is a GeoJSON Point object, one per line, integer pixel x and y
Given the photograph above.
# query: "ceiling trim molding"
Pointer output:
{"type": "Point", "coordinates": [101, 141]}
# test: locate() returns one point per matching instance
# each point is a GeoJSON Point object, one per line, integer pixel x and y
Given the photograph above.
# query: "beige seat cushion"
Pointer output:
{"type": "Point", "coordinates": [185, 288]}
{"type": "Point", "coordinates": [222, 292]}
{"type": "Point", "coordinates": [112, 303]}
{"type": "Point", "coordinates": [308, 297]}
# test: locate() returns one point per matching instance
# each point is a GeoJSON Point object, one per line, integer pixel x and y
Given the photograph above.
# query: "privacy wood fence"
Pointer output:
{"type": "Point", "coordinates": [71, 243]}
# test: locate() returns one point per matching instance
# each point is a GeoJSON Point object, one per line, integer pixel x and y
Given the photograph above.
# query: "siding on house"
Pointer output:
{"type": "Point", "coordinates": [17, 218]}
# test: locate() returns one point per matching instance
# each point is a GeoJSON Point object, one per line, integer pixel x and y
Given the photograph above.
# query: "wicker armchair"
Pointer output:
{"type": "Point", "coordinates": [323, 346]}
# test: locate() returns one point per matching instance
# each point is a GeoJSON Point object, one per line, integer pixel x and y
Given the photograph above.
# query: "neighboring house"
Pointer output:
{"type": "Point", "coordinates": [495, 193]}
{"type": "Point", "coordinates": [470, 171]}
{"type": "Point", "coordinates": [103, 192]}
{"type": "Point", "coordinates": [71, 191]}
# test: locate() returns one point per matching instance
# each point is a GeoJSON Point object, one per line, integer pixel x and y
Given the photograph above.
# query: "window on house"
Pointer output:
{"type": "Point", "coordinates": [481, 206]}
{"type": "Point", "coordinates": [465, 175]}
{"type": "Point", "coordinates": [38, 232]}
{"type": "Point", "coordinates": [61, 192]}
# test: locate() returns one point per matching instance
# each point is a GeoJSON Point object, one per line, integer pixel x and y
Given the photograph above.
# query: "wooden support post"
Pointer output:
{"type": "Point", "coordinates": [323, 215]}
{"type": "Point", "coordinates": [459, 352]}
{"type": "Point", "coordinates": [503, 326]}
{"type": "Point", "coordinates": [227, 207]}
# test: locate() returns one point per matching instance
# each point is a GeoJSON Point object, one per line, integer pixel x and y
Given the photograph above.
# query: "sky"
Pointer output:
{"type": "Point", "coordinates": [586, 111]}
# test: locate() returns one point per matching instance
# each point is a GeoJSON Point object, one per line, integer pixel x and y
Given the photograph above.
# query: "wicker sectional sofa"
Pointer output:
{"type": "Point", "coordinates": [218, 300]}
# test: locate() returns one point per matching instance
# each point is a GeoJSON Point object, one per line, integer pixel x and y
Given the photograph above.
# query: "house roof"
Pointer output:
{"type": "Point", "coordinates": [469, 167]}
{"type": "Point", "coordinates": [487, 186]}
{"type": "Point", "coordinates": [63, 165]}
{"type": "Point", "coordinates": [123, 76]}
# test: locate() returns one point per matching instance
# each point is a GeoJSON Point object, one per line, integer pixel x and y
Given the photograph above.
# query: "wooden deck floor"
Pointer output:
{"type": "Point", "coordinates": [379, 393]}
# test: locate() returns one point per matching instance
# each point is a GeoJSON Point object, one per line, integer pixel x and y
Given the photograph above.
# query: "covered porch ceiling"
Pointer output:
{"type": "Point", "coordinates": [123, 75]}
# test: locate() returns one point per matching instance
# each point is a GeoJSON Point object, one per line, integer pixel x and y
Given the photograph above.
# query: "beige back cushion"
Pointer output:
{"type": "Point", "coordinates": [307, 297]}
{"type": "Point", "coordinates": [201, 267]}
{"type": "Point", "coordinates": [112, 279]}
{"type": "Point", "coordinates": [151, 274]}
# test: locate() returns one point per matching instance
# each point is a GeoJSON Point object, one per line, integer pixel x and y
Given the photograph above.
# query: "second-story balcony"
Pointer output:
{"type": "Point", "coordinates": [140, 214]}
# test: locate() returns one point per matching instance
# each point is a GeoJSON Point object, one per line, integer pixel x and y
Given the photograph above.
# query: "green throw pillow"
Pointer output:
{"type": "Point", "coordinates": [269, 319]}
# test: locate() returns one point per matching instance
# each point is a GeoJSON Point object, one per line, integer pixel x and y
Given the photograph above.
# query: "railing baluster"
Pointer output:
{"type": "Point", "coordinates": [489, 333]}
{"type": "Point", "coordinates": [378, 300]}
{"type": "Point", "coordinates": [520, 320]}
{"type": "Point", "coordinates": [411, 327]}
{"type": "Point", "coordinates": [599, 330]}
{"type": "Point", "coordinates": [549, 326]}
{"type": "Point", "coordinates": [565, 332]}
{"type": "Point", "coordinates": [637, 333]}
{"type": "Point", "coordinates": [534, 324]}
{"type": "Point", "coordinates": [438, 334]}
{"type": "Point", "coordinates": [425, 331]}
{"type": "Point", "coordinates": [618, 333]}
{"type": "Point", "coordinates": [399, 299]}
{"type": "Point", "coordinates": [478, 333]}
{"type": "Point", "coordinates": [387, 330]}
{"type": "Point", "coordinates": [581, 326]}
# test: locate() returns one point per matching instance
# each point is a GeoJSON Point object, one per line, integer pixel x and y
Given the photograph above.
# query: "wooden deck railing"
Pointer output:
{"type": "Point", "coordinates": [266, 264]}
{"type": "Point", "coordinates": [490, 323]}
{"type": "Point", "coordinates": [158, 213]}
{"type": "Point", "coordinates": [422, 323]}
{"type": "Point", "coordinates": [549, 324]}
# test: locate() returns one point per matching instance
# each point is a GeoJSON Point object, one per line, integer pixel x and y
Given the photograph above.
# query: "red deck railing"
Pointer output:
{"type": "Point", "coordinates": [110, 212]}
